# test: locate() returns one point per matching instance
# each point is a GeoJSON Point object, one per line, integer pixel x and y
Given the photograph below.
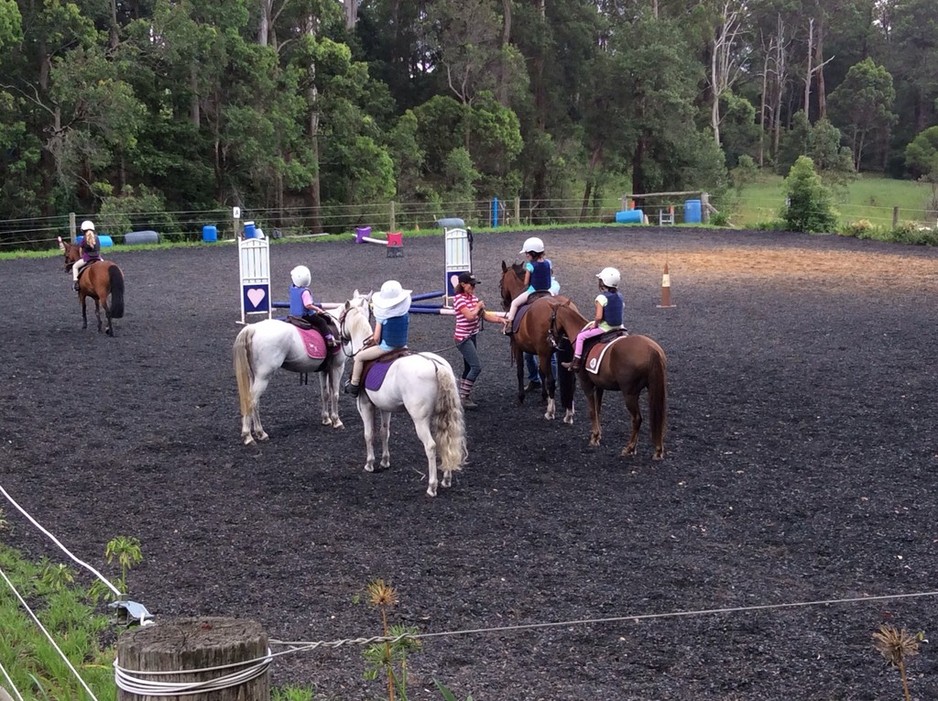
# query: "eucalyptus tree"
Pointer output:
{"type": "Point", "coordinates": [862, 106]}
{"type": "Point", "coordinates": [562, 42]}
{"type": "Point", "coordinates": [642, 107]}
{"type": "Point", "coordinates": [72, 98]}
{"type": "Point", "coordinates": [911, 30]}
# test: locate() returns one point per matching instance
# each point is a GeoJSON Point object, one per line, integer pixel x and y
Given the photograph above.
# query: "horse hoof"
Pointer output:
{"type": "Point", "coordinates": [431, 491]}
{"type": "Point", "coordinates": [338, 425]}
{"type": "Point", "coordinates": [247, 440]}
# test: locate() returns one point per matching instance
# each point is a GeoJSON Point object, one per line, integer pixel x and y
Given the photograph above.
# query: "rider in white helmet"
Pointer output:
{"type": "Point", "coordinates": [303, 306]}
{"type": "Point", "coordinates": [90, 249]}
{"type": "Point", "coordinates": [608, 315]}
{"type": "Point", "coordinates": [537, 276]}
{"type": "Point", "coordinates": [392, 322]}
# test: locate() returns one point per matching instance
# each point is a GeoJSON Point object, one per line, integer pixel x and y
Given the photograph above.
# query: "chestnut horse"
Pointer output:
{"type": "Point", "coordinates": [532, 336]}
{"type": "Point", "coordinates": [98, 281]}
{"type": "Point", "coordinates": [630, 364]}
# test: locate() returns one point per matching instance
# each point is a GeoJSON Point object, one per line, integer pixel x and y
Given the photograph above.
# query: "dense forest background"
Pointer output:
{"type": "Point", "coordinates": [179, 105]}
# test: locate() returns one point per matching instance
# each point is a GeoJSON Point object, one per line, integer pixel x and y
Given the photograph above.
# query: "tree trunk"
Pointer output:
{"type": "Point", "coordinates": [638, 158]}
{"type": "Point", "coordinates": [762, 109]}
{"type": "Point", "coordinates": [503, 58]}
{"type": "Point", "coordinates": [195, 115]}
{"type": "Point", "coordinates": [807, 77]}
{"type": "Point", "coordinates": [819, 56]}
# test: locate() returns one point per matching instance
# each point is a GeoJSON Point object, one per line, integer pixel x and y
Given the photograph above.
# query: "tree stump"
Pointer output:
{"type": "Point", "coordinates": [175, 651]}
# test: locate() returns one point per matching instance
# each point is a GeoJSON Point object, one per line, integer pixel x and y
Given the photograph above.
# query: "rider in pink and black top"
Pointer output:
{"type": "Point", "coordinates": [470, 311]}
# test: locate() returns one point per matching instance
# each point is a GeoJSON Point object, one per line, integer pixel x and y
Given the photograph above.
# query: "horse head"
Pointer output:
{"type": "Point", "coordinates": [354, 320]}
{"type": "Point", "coordinates": [512, 282]}
{"type": "Point", "coordinates": [70, 251]}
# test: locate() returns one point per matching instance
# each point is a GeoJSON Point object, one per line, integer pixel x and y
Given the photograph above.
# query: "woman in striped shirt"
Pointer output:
{"type": "Point", "coordinates": [470, 311]}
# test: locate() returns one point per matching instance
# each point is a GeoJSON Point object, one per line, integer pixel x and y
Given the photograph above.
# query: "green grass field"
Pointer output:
{"type": "Point", "coordinates": [868, 197]}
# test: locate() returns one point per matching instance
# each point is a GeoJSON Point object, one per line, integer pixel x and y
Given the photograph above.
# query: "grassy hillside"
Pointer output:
{"type": "Point", "coordinates": [869, 197]}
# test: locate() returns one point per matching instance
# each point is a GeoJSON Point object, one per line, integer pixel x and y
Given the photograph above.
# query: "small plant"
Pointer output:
{"type": "Point", "coordinates": [391, 656]}
{"type": "Point", "coordinates": [126, 550]}
{"type": "Point", "coordinates": [57, 576]}
{"type": "Point", "coordinates": [447, 694]}
{"type": "Point", "coordinates": [720, 219]}
{"type": "Point", "coordinates": [897, 646]}
{"type": "Point", "coordinates": [292, 693]}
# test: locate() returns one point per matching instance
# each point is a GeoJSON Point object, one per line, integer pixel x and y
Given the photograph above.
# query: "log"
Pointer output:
{"type": "Point", "coordinates": [178, 651]}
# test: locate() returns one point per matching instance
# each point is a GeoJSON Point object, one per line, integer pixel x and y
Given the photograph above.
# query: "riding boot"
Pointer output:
{"type": "Point", "coordinates": [573, 365]}
{"type": "Point", "coordinates": [76, 286]}
{"type": "Point", "coordinates": [352, 389]}
{"type": "Point", "coordinates": [465, 387]}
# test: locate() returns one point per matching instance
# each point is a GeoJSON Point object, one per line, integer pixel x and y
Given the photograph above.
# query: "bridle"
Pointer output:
{"type": "Point", "coordinates": [344, 336]}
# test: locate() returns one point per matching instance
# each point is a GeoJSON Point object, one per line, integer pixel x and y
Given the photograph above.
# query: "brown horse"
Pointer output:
{"type": "Point", "coordinates": [630, 364]}
{"type": "Point", "coordinates": [532, 337]}
{"type": "Point", "coordinates": [98, 281]}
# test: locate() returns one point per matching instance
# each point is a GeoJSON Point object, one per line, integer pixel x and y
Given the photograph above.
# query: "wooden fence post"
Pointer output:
{"type": "Point", "coordinates": [517, 211]}
{"type": "Point", "coordinates": [705, 207]}
{"type": "Point", "coordinates": [392, 219]}
{"type": "Point", "coordinates": [176, 652]}
{"type": "Point", "coordinates": [895, 217]}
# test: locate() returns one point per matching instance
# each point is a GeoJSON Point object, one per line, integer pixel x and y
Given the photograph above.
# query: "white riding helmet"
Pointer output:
{"type": "Point", "coordinates": [533, 244]}
{"type": "Point", "coordinates": [301, 276]}
{"type": "Point", "coordinates": [609, 276]}
{"type": "Point", "coordinates": [87, 225]}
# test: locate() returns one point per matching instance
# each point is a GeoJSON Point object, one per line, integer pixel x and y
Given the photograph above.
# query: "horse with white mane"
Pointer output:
{"type": "Point", "coordinates": [262, 348]}
{"type": "Point", "coordinates": [424, 385]}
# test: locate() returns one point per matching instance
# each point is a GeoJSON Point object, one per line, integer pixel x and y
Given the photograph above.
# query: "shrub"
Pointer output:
{"type": "Point", "coordinates": [809, 202]}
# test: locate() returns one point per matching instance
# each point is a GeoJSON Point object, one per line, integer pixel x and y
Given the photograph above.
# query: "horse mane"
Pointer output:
{"type": "Point", "coordinates": [568, 317]}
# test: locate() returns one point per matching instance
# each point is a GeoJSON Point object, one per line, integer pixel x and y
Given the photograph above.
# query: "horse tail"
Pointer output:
{"type": "Point", "coordinates": [117, 292]}
{"type": "Point", "coordinates": [657, 396]}
{"type": "Point", "coordinates": [450, 427]}
{"type": "Point", "coordinates": [244, 368]}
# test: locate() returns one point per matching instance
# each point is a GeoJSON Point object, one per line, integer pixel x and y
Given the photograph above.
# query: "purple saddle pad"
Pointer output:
{"type": "Point", "coordinates": [376, 375]}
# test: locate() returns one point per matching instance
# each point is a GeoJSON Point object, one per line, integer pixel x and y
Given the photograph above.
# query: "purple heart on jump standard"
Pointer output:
{"type": "Point", "coordinates": [256, 296]}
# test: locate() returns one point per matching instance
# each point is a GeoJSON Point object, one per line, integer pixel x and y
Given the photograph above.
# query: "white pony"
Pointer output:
{"type": "Point", "coordinates": [424, 385]}
{"type": "Point", "coordinates": [259, 350]}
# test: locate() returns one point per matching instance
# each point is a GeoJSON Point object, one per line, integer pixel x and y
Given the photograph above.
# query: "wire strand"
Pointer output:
{"type": "Point", "coordinates": [46, 633]}
{"type": "Point", "coordinates": [55, 540]}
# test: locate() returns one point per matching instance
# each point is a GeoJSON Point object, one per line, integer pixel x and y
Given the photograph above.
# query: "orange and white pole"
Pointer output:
{"type": "Point", "coordinates": [665, 290]}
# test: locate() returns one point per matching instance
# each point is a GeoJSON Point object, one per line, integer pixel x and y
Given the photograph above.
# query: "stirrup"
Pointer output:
{"type": "Point", "coordinates": [352, 389]}
{"type": "Point", "coordinates": [76, 286]}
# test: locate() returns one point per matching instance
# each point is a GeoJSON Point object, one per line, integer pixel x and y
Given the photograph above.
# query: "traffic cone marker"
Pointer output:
{"type": "Point", "coordinates": [666, 290]}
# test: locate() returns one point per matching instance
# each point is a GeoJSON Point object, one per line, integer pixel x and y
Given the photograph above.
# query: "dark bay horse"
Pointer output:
{"type": "Point", "coordinates": [630, 364]}
{"type": "Point", "coordinates": [98, 281]}
{"type": "Point", "coordinates": [533, 336]}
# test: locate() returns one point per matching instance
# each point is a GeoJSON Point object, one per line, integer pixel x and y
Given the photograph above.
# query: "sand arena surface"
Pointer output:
{"type": "Point", "coordinates": [802, 465]}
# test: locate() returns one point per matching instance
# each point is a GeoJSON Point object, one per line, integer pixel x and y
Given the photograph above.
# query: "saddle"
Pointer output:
{"type": "Point", "coordinates": [374, 371]}
{"type": "Point", "coordinates": [523, 309]}
{"type": "Point", "coordinates": [595, 348]}
{"type": "Point", "coordinates": [83, 269]}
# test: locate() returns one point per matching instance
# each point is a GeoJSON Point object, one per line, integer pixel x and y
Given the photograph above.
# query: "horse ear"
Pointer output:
{"type": "Point", "coordinates": [61, 245]}
{"type": "Point", "coordinates": [504, 267]}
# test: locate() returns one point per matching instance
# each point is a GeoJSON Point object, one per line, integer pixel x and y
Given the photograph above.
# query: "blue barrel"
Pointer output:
{"type": "Point", "coordinates": [692, 211]}
{"type": "Point", "coordinates": [249, 231]}
{"type": "Point", "coordinates": [209, 233]}
{"type": "Point", "coordinates": [630, 216]}
{"type": "Point", "coordinates": [103, 240]}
